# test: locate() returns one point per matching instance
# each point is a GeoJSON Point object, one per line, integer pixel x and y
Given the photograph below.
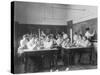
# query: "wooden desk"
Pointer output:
{"type": "Point", "coordinates": [53, 53]}
{"type": "Point", "coordinates": [41, 55]}
{"type": "Point", "coordinates": [71, 52]}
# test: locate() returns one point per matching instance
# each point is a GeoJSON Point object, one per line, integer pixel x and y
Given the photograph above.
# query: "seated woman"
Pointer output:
{"type": "Point", "coordinates": [82, 41]}
{"type": "Point", "coordinates": [48, 43]}
{"type": "Point", "coordinates": [85, 42]}
{"type": "Point", "coordinates": [23, 44]}
{"type": "Point", "coordinates": [75, 37]}
{"type": "Point", "coordinates": [78, 40]}
{"type": "Point", "coordinates": [31, 44]}
{"type": "Point", "coordinates": [64, 35]}
{"type": "Point", "coordinates": [66, 43]}
{"type": "Point", "coordinates": [59, 40]}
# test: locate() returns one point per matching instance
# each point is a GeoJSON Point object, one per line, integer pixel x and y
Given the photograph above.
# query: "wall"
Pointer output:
{"type": "Point", "coordinates": [52, 14]}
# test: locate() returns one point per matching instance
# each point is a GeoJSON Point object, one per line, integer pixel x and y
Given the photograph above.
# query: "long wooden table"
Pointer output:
{"type": "Point", "coordinates": [74, 51]}
{"type": "Point", "coordinates": [53, 54]}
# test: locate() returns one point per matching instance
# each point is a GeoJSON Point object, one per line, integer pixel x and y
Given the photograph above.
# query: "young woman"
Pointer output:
{"type": "Point", "coordinates": [23, 44]}
{"type": "Point", "coordinates": [88, 34]}
{"type": "Point", "coordinates": [85, 42]}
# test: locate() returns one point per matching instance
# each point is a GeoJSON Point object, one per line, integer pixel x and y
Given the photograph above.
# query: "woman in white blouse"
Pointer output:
{"type": "Point", "coordinates": [88, 34]}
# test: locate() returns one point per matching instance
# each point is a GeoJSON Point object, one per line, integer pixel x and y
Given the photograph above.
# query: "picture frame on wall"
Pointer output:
{"type": "Point", "coordinates": [51, 37]}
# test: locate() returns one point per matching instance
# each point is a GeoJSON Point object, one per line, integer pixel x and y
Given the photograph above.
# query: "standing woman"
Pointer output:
{"type": "Point", "coordinates": [88, 34]}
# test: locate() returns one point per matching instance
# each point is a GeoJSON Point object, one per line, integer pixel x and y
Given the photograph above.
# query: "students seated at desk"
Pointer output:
{"type": "Point", "coordinates": [29, 42]}
{"type": "Point", "coordinates": [81, 41]}
{"type": "Point", "coordinates": [85, 42]}
{"type": "Point", "coordinates": [34, 42]}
